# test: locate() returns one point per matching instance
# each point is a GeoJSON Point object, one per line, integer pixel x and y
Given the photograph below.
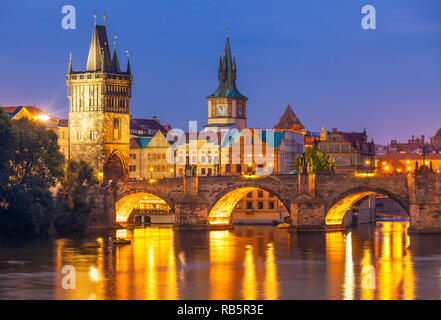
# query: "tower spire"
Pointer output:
{"type": "Point", "coordinates": [129, 71]}
{"type": "Point", "coordinates": [94, 17]}
{"type": "Point", "coordinates": [227, 73]}
{"type": "Point", "coordinates": [115, 62]}
{"type": "Point", "coordinates": [104, 16]}
{"type": "Point", "coordinates": [69, 69]}
{"type": "Point", "coordinates": [99, 52]}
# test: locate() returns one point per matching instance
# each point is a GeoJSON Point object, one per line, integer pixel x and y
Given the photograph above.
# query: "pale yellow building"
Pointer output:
{"type": "Point", "coordinates": [148, 158]}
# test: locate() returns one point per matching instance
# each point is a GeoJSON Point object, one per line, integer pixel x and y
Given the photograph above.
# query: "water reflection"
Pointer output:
{"type": "Point", "coordinates": [370, 262]}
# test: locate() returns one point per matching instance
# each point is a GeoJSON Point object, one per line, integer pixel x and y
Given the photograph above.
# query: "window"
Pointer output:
{"type": "Point", "coordinates": [250, 195]}
{"type": "Point", "coordinates": [210, 171]}
{"type": "Point", "coordinates": [238, 168]}
{"type": "Point", "coordinates": [271, 195]}
{"type": "Point", "coordinates": [271, 205]}
{"type": "Point", "coordinates": [249, 205]}
{"type": "Point", "coordinates": [203, 171]}
{"type": "Point", "coordinates": [116, 131]}
{"type": "Point", "coordinates": [260, 205]}
{"type": "Point", "coordinates": [93, 135]}
{"type": "Point", "coordinates": [228, 168]}
{"type": "Point", "coordinates": [132, 168]}
{"type": "Point", "coordinates": [79, 135]}
{"type": "Point", "coordinates": [260, 194]}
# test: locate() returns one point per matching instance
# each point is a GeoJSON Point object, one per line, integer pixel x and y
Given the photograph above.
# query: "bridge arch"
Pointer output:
{"type": "Point", "coordinates": [129, 200]}
{"type": "Point", "coordinates": [338, 207]}
{"type": "Point", "coordinates": [221, 209]}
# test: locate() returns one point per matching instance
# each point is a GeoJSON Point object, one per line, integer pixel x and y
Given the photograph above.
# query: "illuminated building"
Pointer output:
{"type": "Point", "coordinates": [99, 104]}
{"type": "Point", "coordinates": [407, 162]}
{"type": "Point", "coordinates": [227, 106]}
{"type": "Point", "coordinates": [148, 157]}
{"type": "Point", "coordinates": [351, 150]}
{"type": "Point", "coordinates": [290, 122]}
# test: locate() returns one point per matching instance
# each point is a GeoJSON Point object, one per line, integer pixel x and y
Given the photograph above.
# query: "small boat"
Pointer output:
{"type": "Point", "coordinates": [121, 241]}
{"type": "Point", "coordinates": [283, 226]}
{"type": "Point", "coordinates": [92, 245]}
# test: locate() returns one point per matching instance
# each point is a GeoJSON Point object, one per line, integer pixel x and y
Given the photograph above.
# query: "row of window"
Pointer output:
{"type": "Point", "coordinates": [92, 135]}
{"type": "Point", "coordinates": [151, 156]}
{"type": "Point", "coordinates": [259, 194]}
{"type": "Point", "coordinates": [154, 168]}
{"type": "Point", "coordinates": [260, 205]}
{"type": "Point", "coordinates": [97, 76]}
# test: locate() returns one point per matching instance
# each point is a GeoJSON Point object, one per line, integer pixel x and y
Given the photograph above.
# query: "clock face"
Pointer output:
{"type": "Point", "coordinates": [221, 110]}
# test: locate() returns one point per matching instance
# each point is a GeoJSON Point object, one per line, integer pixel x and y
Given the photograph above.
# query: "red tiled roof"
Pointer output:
{"type": "Point", "coordinates": [288, 120]}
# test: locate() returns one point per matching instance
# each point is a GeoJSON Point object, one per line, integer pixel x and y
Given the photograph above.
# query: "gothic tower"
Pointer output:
{"type": "Point", "coordinates": [99, 118]}
{"type": "Point", "coordinates": [227, 106]}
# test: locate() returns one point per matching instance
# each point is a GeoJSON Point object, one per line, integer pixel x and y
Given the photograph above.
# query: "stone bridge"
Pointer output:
{"type": "Point", "coordinates": [314, 201]}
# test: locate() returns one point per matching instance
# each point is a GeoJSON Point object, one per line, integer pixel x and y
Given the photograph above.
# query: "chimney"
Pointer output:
{"type": "Point", "coordinates": [156, 119]}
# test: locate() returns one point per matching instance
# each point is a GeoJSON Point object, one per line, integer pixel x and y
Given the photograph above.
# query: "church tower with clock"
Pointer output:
{"type": "Point", "coordinates": [226, 106]}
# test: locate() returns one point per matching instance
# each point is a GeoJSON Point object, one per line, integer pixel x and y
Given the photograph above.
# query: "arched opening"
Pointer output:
{"type": "Point", "coordinates": [367, 200]}
{"type": "Point", "coordinates": [248, 205]}
{"type": "Point", "coordinates": [143, 208]}
{"type": "Point", "coordinates": [115, 167]}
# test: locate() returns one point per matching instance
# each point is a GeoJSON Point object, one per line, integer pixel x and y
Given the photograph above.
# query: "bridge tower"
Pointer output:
{"type": "Point", "coordinates": [227, 106]}
{"type": "Point", "coordinates": [99, 106]}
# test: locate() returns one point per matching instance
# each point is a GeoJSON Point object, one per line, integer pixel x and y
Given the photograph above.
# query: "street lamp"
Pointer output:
{"type": "Point", "coordinates": [151, 173]}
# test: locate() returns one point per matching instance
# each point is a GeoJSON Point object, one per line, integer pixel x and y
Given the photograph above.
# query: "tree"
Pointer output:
{"type": "Point", "coordinates": [79, 177]}
{"type": "Point", "coordinates": [313, 158]}
{"type": "Point", "coordinates": [31, 164]}
{"type": "Point", "coordinates": [73, 215]}
{"type": "Point", "coordinates": [36, 153]}
{"type": "Point", "coordinates": [7, 139]}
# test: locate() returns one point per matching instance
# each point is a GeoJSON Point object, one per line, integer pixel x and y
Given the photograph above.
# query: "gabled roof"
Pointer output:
{"type": "Point", "coordinates": [145, 124]}
{"type": "Point", "coordinates": [288, 120]}
{"type": "Point", "coordinates": [227, 76]}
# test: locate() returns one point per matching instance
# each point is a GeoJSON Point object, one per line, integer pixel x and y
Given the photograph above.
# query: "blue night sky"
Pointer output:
{"type": "Point", "coordinates": [311, 54]}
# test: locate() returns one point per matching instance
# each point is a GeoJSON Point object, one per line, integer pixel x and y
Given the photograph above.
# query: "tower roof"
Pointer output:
{"type": "Point", "coordinates": [227, 76]}
{"type": "Point", "coordinates": [115, 62]}
{"type": "Point", "coordinates": [99, 53]}
{"type": "Point", "coordinates": [288, 120]}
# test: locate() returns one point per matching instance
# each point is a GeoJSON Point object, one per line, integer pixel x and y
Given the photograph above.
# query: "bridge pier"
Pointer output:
{"type": "Point", "coordinates": [425, 203]}
{"type": "Point", "coordinates": [425, 218]}
{"type": "Point", "coordinates": [191, 213]}
{"type": "Point", "coordinates": [307, 214]}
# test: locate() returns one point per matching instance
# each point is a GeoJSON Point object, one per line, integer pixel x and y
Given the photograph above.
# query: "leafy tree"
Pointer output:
{"type": "Point", "coordinates": [312, 158]}
{"type": "Point", "coordinates": [79, 177]}
{"type": "Point", "coordinates": [30, 164]}
{"type": "Point", "coordinates": [73, 215]}
{"type": "Point", "coordinates": [36, 153]}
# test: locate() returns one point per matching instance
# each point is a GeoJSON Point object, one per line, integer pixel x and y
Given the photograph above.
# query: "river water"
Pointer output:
{"type": "Point", "coordinates": [377, 261]}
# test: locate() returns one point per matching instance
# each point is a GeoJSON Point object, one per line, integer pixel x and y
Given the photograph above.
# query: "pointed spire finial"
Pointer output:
{"type": "Point", "coordinates": [69, 69]}
{"type": "Point", "coordinates": [105, 16]}
{"type": "Point", "coordinates": [114, 42]}
{"type": "Point", "coordinates": [226, 24]}
{"type": "Point", "coordinates": [94, 17]}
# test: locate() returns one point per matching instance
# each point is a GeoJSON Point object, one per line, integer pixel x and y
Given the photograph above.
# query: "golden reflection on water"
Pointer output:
{"type": "Point", "coordinates": [240, 264]}
{"type": "Point", "coordinates": [271, 284]}
{"type": "Point", "coordinates": [249, 278]}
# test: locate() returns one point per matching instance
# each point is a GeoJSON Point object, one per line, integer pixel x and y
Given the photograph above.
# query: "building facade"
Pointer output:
{"type": "Point", "coordinates": [99, 110]}
{"type": "Point", "coordinates": [351, 150]}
